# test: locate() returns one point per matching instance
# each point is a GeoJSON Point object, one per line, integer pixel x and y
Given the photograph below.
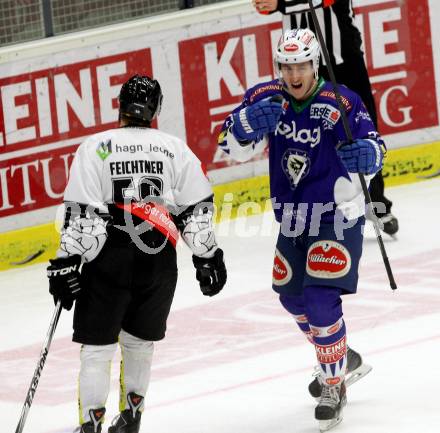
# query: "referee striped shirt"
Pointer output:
{"type": "Point", "coordinates": [342, 37]}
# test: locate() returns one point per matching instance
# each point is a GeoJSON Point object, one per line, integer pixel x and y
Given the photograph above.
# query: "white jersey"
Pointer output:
{"type": "Point", "coordinates": [133, 163]}
{"type": "Point", "coordinates": [143, 171]}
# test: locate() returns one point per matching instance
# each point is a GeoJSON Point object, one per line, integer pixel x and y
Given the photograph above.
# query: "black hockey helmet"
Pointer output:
{"type": "Point", "coordinates": [140, 98]}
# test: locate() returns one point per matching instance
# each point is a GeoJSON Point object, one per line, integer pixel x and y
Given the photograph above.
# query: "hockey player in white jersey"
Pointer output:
{"type": "Point", "coordinates": [131, 191]}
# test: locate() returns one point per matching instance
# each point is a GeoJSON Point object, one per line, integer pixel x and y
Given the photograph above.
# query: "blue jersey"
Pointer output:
{"type": "Point", "coordinates": [304, 167]}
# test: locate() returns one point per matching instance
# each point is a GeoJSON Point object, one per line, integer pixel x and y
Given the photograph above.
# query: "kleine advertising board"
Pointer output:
{"type": "Point", "coordinates": [50, 103]}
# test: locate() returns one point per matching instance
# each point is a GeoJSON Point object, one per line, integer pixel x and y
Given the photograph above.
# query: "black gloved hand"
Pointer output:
{"type": "Point", "coordinates": [63, 274]}
{"type": "Point", "coordinates": [211, 273]}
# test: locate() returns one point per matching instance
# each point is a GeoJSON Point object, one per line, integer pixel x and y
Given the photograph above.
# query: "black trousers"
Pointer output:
{"type": "Point", "coordinates": [125, 288]}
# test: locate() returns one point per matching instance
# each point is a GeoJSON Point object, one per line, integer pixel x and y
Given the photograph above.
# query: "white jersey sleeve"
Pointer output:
{"type": "Point", "coordinates": [85, 184]}
{"type": "Point", "coordinates": [243, 153]}
{"type": "Point", "coordinates": [192, 184]}
{"type": "Point", "coordinates": [237, 151]}
{"type": "Point", "coordinates": [84, 232]}
{"type": "Point", "coordinates": [193, 188]}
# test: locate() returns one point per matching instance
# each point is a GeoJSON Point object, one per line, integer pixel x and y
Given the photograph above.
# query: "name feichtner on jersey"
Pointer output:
{"type": "Point", "coordinates": [136, 167]}
{"type": "Point", "coordinates": [122, 162]}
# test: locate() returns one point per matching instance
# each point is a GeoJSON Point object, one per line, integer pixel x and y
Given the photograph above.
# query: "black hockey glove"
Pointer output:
{"type": "Point", "coordinates": [63, 274]}
{"type": "Point", "coordinates": [210, 273]}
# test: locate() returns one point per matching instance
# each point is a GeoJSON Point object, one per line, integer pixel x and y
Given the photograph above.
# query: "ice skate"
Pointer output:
{"type": "Point", "coordinates": [356, 369]}
{"type": "Point", "coordinates": [329, 411]}
{"type": "Point", "coordinates": [129, 420]}
{"type": "Point", "coordinates": [95, 425]}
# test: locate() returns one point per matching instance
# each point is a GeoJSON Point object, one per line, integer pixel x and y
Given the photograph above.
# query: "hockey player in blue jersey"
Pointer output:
{"type": "Point", "coordinates": [316, 195]}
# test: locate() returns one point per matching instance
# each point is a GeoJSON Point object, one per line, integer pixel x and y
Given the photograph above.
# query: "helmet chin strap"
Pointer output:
{"type": "Point", "coordinates": [316, 73]}
{"type": "Point", "coordinates": [312, 88]}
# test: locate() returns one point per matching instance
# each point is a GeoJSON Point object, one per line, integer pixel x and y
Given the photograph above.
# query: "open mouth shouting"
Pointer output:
{"type": "Point", "coordinates": [299, 79]}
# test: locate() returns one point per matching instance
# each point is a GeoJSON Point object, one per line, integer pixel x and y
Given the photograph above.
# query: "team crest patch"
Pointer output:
{"type": "Point", "coordinates": [282, 272]}
{"type": "Point", "coordinates": [296, 165]}
{"type": "Point", "coordinates": [328, 259]}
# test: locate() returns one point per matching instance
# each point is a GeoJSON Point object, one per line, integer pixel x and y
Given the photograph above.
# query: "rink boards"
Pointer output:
{"type": "Point", "coordinates": [56, 92]}
{"type": "Point", "coordinates": [238, 198]}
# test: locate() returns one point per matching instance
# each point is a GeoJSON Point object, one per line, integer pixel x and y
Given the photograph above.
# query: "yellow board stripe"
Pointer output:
{"type": "Point", "coordinates": [412, 164]}
{"type": "Point", "coordinates": [19, 246]}
{"type": "Point", "coordinates": [239, 198]}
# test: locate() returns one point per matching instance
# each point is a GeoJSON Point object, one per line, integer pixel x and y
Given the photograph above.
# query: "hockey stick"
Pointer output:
{"type": "Point", "coordinates": [349, 135]}
{"type": "Point", "coordinates": [40, 364]}
{"type": "Point", "coordinates": [29, 258]}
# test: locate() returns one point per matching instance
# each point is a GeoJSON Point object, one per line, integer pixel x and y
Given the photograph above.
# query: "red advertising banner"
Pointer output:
{"type": "Point", "coordinates": [400, 67]}
{"type": "Point", "coordinates": [225, 64]}
{"type": "Point", "coordinates": [398, 48]}
{"type": "Point", "coordinates": [45, 114]}
{"type": "Point", "coordinates": [47, 110]}
{"type": "Point", "coordinates": [35, 181]}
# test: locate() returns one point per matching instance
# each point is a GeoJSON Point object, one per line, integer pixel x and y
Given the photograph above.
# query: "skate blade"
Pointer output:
{"type": "Point", "coordinates": [357, 374]}
{"type": "Point", "coordinates": [326, 425]}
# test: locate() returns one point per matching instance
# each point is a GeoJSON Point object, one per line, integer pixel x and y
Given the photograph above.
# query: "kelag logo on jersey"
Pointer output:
{"type": "Point", "coordinates": [329, 114]}
{"type": "Point", "coordinates": [299, 136]}
{"type": "Point", "coordinates": [296, 165]}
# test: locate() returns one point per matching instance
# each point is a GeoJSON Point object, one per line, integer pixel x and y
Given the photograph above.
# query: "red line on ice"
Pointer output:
{"type": "Point", "coordinates": [230, 330]}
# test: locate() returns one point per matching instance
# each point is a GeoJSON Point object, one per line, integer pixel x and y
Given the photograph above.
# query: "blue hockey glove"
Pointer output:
{"type": "Point", "coordinates": [252, 122]}
{"type": "Point", "coordinates": [362, 156]}
{"type": "Point", "coordinates": [63, 274]}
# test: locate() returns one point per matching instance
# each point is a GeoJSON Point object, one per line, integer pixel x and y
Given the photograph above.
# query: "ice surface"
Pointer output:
{"type": "Point", "coordinates": [236, 363]}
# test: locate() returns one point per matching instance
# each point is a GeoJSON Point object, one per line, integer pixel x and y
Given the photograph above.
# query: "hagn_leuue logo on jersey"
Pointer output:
{"type": "Point", "coordinates": [329, 114]}
{"type": "Point", "coordinates": [328, 259]}
{"type": "Point", "coordinates": [296, 165]}
{"type": "Point", "coordinates": [104, 149]}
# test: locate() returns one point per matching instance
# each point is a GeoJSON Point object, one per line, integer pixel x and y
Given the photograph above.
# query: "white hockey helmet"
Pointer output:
{"type": "Point", "coordinates": [298, 46]}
